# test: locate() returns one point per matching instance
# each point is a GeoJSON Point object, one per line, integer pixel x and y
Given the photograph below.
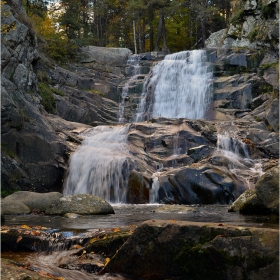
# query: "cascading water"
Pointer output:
{"type": "Point", "coordinates": [134, 66]}
{"type": "Point", "coordinates": [237, 154]}
{"type": "Point", "coordinates": [178, 87]}
{"type": "Point", "coordinates": [101, 165]}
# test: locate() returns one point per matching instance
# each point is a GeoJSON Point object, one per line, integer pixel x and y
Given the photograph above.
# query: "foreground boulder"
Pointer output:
{"type": "Point", "coordinates": [188, 250]}
{"type": "Point", "coordinates": [20, 202]}
{"type": "Point", "coordinates": [83, 204]}
{"type": "Point", "coordinates": [264, 199]}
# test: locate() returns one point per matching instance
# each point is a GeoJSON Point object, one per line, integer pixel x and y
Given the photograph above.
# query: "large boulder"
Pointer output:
{"type": "Point", "coordinates": [84, 204]}
{"type": "Point", "coordinates": [263, 199]}
{"type": "Point", "coordinates": [34, 201]}
{"type": "Point", "coordinates": [267, 189]}
{"type": "Point", "coordinates": [189, 250]}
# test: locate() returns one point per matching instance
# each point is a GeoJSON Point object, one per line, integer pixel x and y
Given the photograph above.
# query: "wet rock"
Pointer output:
{"type": "Point", "coordinates": [83, 204]}
{"type": "Point", "coordinates": [186, 250]}
{"type": "Point", "coordinates": [17, 271]}
{"type": "Point", "coordinates": [107, 244]}
{"type": "Point", "coordinates": [34, 201]}
{"type": "Point", "coordinates": [196, 185]}
{"type": "Point", "coordinates": [14, 208]}
{"type": "Point", "coordinates": [200, 152]}
{"type": "Point", "coordinates": [138, 188]}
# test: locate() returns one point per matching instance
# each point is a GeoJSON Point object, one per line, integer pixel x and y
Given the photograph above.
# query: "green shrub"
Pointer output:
{"type": "Point", "coordinates": [48, 100]}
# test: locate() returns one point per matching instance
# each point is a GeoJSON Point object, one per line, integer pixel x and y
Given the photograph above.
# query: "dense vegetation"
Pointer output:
{"type": "Point", "coordinates": [140, 25]}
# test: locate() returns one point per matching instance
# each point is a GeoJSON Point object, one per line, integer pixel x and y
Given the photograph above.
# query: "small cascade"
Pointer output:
{"type": "Point", "coordinates": [238, 156]}
{"type": "Point", "coordinates": [178, 87]}
{"type": "Point", "coordinates": [176, 146]}
{"type": "Point", "coordinates": [154, 198]}
{"type": "Point", "coordinates": [134, 67]}
{"type": "Point", "coordinates": [101, 165]}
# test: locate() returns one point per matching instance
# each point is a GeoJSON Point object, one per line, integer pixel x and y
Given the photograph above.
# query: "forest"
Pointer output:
{"type": "Point", "coordinates": [140, 25]}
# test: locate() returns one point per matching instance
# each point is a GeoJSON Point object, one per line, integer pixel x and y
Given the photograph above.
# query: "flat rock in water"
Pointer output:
{"type": "Point", "coordinates": [174, 208]}
{"type": "Point", "coordinates": [83, 204]}
{"type": "Point", "coordinates": [33, 200]}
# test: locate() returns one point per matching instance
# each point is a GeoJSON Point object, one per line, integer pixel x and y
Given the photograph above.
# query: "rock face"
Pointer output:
{"type": "Point", "coordinates": [188, 250]}
{"type": "Point", "coordinates": [84, 204]}
{"type": "Point", "coordinates": [34, 201]}
{"type": "Point", "coordinates": [35, 144]}
{"type": "Point", "coordinates": [254, 25]}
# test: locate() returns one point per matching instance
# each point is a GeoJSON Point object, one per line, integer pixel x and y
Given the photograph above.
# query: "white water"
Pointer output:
{"type": "Point", "coordinates": [181, 86]}
{"type": "Point", "coordinates": [134, 63]}
{"type": "Point", "coordinates": [154, 197]}
{"type": "Point", "coordinates": [237, 153]}
{"type": "Point", "coordinates": [101, 165]}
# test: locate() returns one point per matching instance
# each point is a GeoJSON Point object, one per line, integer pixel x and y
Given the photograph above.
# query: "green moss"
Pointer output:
{"type": "Point", "coordinates": [97, 92]}
{"type": "Point", "coordinates": [268, 11]}
{"type": "Point", "coordinates": [237, 17]}
{"type": "Point", "coordinates": [43, 76]}
{"type": "Point", "coordinates": [7, 151]}
{"type": "Point", "coordinates": [253, 34]}
{"type": "Point", "coordinates": [270, 65]}
{"type": "Point", "coordinates": [47, 94]}
{"type": "Point", "coordinates": [58, 92]}
{"type": "Point", "coordinates": [198, 263]}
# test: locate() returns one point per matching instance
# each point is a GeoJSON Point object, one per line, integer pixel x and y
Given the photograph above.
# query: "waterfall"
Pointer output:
{"type": "Point", "coordinates": [177, 87]}
{"type": "Point", "coordinates": [134, 67]}
{"type": "Point", "coordinates": [101, 165]}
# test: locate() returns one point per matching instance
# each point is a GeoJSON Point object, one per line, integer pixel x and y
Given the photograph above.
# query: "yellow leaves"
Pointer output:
{"type": "Point", "coordinates": [75, 247]}
{"type": "Point", "coordinates": [94, 239]}
{"type": "Point", "coordinates": [35, 232]}
{"type": "Point", "coordinates": [115, 229]}
{"type": "Point", "coordinates": [5, 28]}
{"type": "Point", "coordinates": [19, 238]}
{"type": "Point", "coordinates": [25, 227]}
{"type": "Point", "coordinates": [173, 221]}
{"type": "Point", "coordinates": [106, 261]}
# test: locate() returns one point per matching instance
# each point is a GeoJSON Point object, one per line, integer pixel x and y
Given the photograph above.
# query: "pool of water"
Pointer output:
{"type": "Point", "coordinates": [129, 214]}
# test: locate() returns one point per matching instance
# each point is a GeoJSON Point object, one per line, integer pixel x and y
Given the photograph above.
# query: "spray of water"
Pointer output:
{"type": "Point", "coordinates": [101, 165]}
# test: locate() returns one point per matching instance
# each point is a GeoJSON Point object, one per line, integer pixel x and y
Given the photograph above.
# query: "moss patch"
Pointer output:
{"type": "Point", "coordinates": [47, 94]}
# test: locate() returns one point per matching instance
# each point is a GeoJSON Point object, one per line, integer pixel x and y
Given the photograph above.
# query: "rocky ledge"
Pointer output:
{"type": "Point", "coordinates": [188, 250]}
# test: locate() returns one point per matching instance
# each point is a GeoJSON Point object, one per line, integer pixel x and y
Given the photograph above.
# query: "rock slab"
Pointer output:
{"type": "Point", "coordinates": [189, 250]}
